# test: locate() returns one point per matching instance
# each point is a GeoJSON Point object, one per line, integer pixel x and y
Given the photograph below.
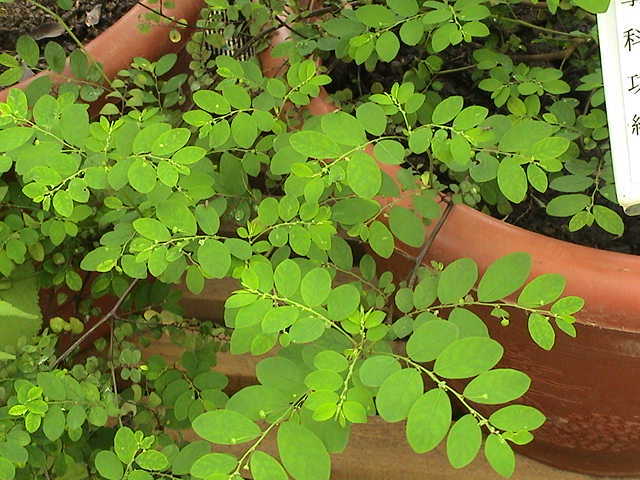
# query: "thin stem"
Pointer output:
{"type": "Point", "coordinates": [538, 27]}
{"type": "Point", "coordinates": [429, 242]}
{"type": "Point", "coordinates": [287, 413]}
{"type": "Point", "coordinates": [482, 420]}
{"type": "Point", "coordinates": [77, 41]}
{"type": "Point", "coordinates": [288, 301]}
{"type": "Point", "coordinates": [455, 70]}
{"type": "Point", "coordinates": [98, 324]}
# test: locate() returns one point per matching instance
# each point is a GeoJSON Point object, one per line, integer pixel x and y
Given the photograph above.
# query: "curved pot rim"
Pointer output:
{"type": "Point", "coordinates": [608, 281]}
{"type": "Point", "coordinates": [119, 44]}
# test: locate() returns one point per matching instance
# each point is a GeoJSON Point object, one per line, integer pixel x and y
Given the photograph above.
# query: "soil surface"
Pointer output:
{"type": "Point", "coordinates": [87, 19]}
{"type": "Point", "coordinates": [530, 216]}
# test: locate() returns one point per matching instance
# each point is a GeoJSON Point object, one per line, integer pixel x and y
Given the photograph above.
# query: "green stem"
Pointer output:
{"type": "Point", "coordinates": [60, 20]}
{"type": "Point", "coordinates": [293, 303]}
{"type": "Point", "coordinates": [500, 304]}
{"type": "Point", "coordinates": [538, 27]}
{"type": "Point", "coordinates": [482, 420]}
{"type": "Point", "coordinates": [287, 413]}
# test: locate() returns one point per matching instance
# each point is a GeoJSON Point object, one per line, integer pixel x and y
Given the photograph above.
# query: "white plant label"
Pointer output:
{"type": "Point", "coordinates": [619, 30]}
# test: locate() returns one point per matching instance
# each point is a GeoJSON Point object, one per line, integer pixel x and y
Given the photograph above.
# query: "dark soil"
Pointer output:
{"type": "Point", "coordinates": [531, 216]}
{"type": "Point", "coordinates": [21, 17]}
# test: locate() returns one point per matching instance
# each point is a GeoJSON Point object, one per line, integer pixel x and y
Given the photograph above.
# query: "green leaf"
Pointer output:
{"type": "Point", "coordinates": [497, 386]}
{"type": "Point", "coordinates": [102, 259]}
{"type": "Point", "coordinates": [279, 318]}
{"type": "Point", "coordinates": [237, 96]}
{"type": "Point", "coordinates": [344, 128]}
{"type": "Point", "coordinates": [470, 117]}
{"type": "Point", "coordinates": [456, 280]}
{"type": "Point", "coordinates": [542, 290]}
{"type": "Point", "coordinates": [108, 465]}
{"type": "Point", "coordinates": [76, 417]}
{"type": "Point", "coordinates": [468, 323]}
{"type": "Point", "coordinates": [500, 455]}
{"type": "Point", "coordinates": [152, 229]}
{"type": "Point", "coordinates": [376, 16]}
{"type": "Point", "coordinates": [541, 331]}
{"type": "Point", "coordinates": [411, 32]}
{"type": "Point", "coordinates": [567, 305]}
{"type": "Point", "coordinates": [52, 385]}
{"type": "Point", "coordinates": [406, 226]}
{"type": "Point", "coordinates": [125, 445]}
{"type": "Point", "coordinates": [315, 287]}
{"type": "Point", "coordinates": [97, 416]}
{"type": "Point", "coordinates": [28, 50]}
{"type": "Point", "coordinates": [464, 441]}
{"type": "Point", "coordinates": [176, 216]}
{"type": "Point", "coordinates": [512, 180]}
{"type": "Point", "coordinates": [608, 220]}
{"type": "Point", "coordinates": [212, 102]}
{"type": "Point", "coordinates": [170, 141]}
{"type": "Point", "coordinates": [537, 178]}
{"type": "Point", "coordinates": [53, 423]}
{"type": "Point", "coordinates": [514, 418]}
{"type": "Point", "coordinates": [7, 470]}
{"type": "Point", "coordinates": [287, 278]}
{"type": "Point", "coordinates": [420, 139]}
{"type": "Point", "coordinates": [213, 463]}
{"type": "Point", "coordinates": [214, 258]}
{"type": "Point", "coordinates": [567, 205]}
{"type": "Point", "coordinates": [381, 239]}
{"type": "Point", "coordinates": [387, 46]}
{"type": "Point", "coordinates": [189, 155]}
{"type": "Point", "coordinates": [314, 144]}
{"type": "Point", "coordinates": [363, 175]}
{"type": "Point", "coordinates": [428, 421]}
{"type": "Point", "coordinates": [593, 6]}
{"type": "Point", "coordinates": [153, 460]}
{"type": "Point", "coordinates": [405, 8]}
{"type": "Point", "coordinates": [389, 151]}
{"type": "Point", "coordinates": [63, 203]}
{"type": "Point", "coordinates": [244, 130]}
{"type": "Point", "coordinates": [330, 360]}
{"type": "Point", "coordinates": [55, 56]}
{"type": "Point", "coordinates": [142, 175]}
{"type": "Point", "coordinates": [375, 370]}
{"type": "Point", "coordinates": [14, 137]}
{"type": "Point", "coordinates": [343, 301]}
{"type": "Point", "coordinates": [208, 219]}
{"type": "Point", "coordinates": [265, 467]}
{"type": "Point", "coordinates": [504, 276]}
{"type": "Point", "coordinates": [372, 117]}
{"type": "Point", "coordinates": [430, 339]}
{"type": "Point", "coordinates": [468, 357]}
{"type": "Point", "coordinates": [398, 393]}
{"type": "Point", "coordinates": [354, 412]}
{"type": "Point", "coordinates": [225, 427]}
{"type": "Point", "coordinates": [302, 453]}
{"type": "Point", "coordinates": [323, 380]}
{"type": "Point", "coordinates": [447, 110]}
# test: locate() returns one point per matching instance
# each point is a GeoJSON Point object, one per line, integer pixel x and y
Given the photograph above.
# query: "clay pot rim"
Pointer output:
{"type": "Point", "coordinates": [125, 29]}
{"type": "Point", "coordinates": [613, 278]}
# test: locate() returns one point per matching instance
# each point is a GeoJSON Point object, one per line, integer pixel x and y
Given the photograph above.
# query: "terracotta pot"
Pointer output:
{"type": "Point", "coordinates": [117, 46]}
{"type": "Point", "coordinates": [588, 386]}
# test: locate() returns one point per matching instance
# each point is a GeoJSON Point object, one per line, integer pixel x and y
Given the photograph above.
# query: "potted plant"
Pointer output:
{"type": "Point", "coordinates": [565, 171]}
{"type": "Point", "coordinates": [148, 191]}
